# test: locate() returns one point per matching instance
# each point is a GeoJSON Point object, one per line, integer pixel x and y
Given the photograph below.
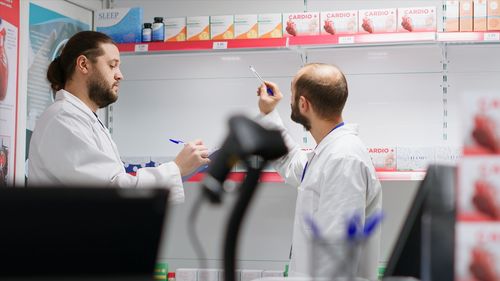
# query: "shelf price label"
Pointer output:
{"type": "Point", "coordinates": [219, 45]}
{"type": "Point", "coordinates": [492, 36]}
{"type": "Point", "coordinates": [346, 40]}
{"type": "Point", "coordinates": [140, 48]}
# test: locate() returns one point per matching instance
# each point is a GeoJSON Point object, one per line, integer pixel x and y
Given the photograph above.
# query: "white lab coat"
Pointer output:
{"type": "Point", "coordinates": [340, 180]}
{"type": "Point", "coordinates": [70, 147]}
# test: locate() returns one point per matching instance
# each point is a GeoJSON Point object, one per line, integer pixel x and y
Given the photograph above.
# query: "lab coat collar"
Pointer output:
{"type": "Point", "coordinates": [78, 103]}
{"type": "Point", "coordinates": [347, 129]}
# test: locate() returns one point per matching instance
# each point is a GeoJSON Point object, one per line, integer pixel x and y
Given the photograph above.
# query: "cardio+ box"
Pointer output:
{"type": "Point", "coordinates": [417, 19]}
{"type": "Point", "coordinates": [339, 22]}
{"type": "Point", "coordinates": [377, 21]}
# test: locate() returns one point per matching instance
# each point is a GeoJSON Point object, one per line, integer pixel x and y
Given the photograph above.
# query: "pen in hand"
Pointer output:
{"type": "Point", "coordinates": [269, 91]}
{"type": "Point", "coordinates": [176, 141]}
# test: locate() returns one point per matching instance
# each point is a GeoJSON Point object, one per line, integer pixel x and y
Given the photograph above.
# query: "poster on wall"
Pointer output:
{"type": "Point", "coordinates": [9, 60]}
{"type": "Point", "coordinates": [51, 24]}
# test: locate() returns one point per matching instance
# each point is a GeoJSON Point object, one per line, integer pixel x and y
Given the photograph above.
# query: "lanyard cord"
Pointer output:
{"type": "Point", "coordinates": [305, 167]}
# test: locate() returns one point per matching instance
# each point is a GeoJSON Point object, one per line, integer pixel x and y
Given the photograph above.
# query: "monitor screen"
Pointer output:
{"type": "Point", "coordinates": [80, 231]}
{"type": "Point", "coordinates": [425, 246]}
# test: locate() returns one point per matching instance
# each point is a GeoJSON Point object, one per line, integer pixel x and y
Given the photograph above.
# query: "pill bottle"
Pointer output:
{"type": "Point", "coordinates": [158, 29]}
{"type": "Point", "coordinates": [146, 32]}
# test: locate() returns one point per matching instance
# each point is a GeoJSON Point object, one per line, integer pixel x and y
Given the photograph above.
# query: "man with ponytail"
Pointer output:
{"type": "Point", "coordinates": [70, 146]}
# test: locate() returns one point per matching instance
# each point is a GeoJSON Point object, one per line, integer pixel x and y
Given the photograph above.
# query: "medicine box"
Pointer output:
{"type": "Point", "coordinates": [198, 28]}
{"type": "Point", "coordinates": [480, 15]}
{"type": "Point", "coordinates": [175, 29]}
{"type": "Point", "coordinates": [296, 24]}
{"type": "Point", "coordinates": [451, 16]}
{"type": "Point", "coordinates": [222, 27]}
{"type": "Point", "coordinates": [417, 19]}
{"type": "Point", "coordinates": [377, 21]}
{"type": "Point", "coordinates": [269, 26]}
{"type": "Point", "coordinates": [466, 10]}
{"type": "Point", "coordinates": [245, 26]}
{"type": "Point", "coordinates": [339, 22]}
{"type": "Point", "coordinates": [123, 25]}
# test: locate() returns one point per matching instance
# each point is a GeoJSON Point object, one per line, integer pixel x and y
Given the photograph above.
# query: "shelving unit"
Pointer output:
{"type": "Point", "coordinates": [313, 41]}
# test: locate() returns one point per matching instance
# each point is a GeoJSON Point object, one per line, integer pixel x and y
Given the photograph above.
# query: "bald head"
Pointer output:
{"type": "Point", "coordinates": [325, 86]}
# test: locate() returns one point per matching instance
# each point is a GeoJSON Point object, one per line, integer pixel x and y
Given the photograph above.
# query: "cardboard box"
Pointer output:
{"type": "Point", "coordinates": [245, 26]}
{"type": "Point", "coordinates": [339, 22]}
{"type": "Point", "coordinates": [477, 251]}
{"type": "Point", "coordinates": [222, 27]}
{"type": "Point", "coordinates": [466, 13]}
{"type": "Point", "coordinates": [175, 29]}
{"type": "Point", "coordinates": [481, 123]}
{"type": "Point", "coordinates": [297, 24]}
{"type": "Point", "coordinates": [383, 158]}
{"type": "Point", "coordinates": [123, 25]}
{"type": "Point", "coordinates": [198, 28]}
{"type": "Point", "coordinates": [480, 15]}
{"type": "Point", "coordinates": [377, 21]}
{"type": "Point", "coordinates": [451, 16]}
{"type": "Point", "coordinates": [417, 19]}
{"type": "Point", "coordinates": [493, 14]}
{"type": "Point", "coordinates": [270, 26]}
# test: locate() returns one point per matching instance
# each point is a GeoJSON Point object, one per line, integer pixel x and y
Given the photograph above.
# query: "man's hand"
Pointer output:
{"type": "Point", "coordinates": [193, 155]}
{"type": "Point", "coordinates": [267, 103]}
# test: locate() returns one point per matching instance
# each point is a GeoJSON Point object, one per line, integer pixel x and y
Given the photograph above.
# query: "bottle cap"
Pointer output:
{"type": "Point", "coordinates": [147, 25]}
{"type": "Point", "coordinates": [158, 19]}
{"type": "Point", "coordinates": [171, 275]}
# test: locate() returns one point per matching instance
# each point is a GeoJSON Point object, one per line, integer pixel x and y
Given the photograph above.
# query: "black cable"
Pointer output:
{"type": "Point", "coordinates": [193, 236]}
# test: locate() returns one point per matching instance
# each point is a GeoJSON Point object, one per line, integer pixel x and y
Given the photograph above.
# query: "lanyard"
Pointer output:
{"type": "Point", "coordinates": [305, 167]}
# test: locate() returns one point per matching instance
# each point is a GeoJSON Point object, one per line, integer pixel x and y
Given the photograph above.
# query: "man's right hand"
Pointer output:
{"type": "Point", "coordinates": [267, 102]}
{"type": "Point", "coordinates": [193, 155]}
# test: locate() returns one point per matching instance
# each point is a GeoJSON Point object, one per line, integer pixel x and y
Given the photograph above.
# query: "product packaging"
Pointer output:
{"type": "Point", "coordinates": [383, 158]}
{"type": "Point", "coordinates": [245, 26]}
{"type": "Point", "coordinates": [296, 24]}
{"type": "Point", "coordinates": [414, 158]}
{"type": "Point", "coordinates": [477, 251]}
{"type": "Point", "coordinates": [123, 25]}
{"type": "Point", "coordinates": [339, 22]}
{"type": "Point", "coordinates": [480, 15]}
{"type": "Point", "coordinates": [466, 11]}
{"type": "Point", "coordinates": [198, 28]}
{"type": "Point", "coordinates": [222, 27]}
{"type": "Point", "coordinates": [175, 29]}
{"type": "Point", "coordinates": [377, 21]}
{"type": "Point", "coordinates": [270, 26]}
{"type": "Point", "coordinates": [481, 123]}
{"type": "Point", "coordinates": [417, 19]}
{"type": "Point", "coordinates": [493, 14]}
{"type": "Point", "coordinates": [451, 16]}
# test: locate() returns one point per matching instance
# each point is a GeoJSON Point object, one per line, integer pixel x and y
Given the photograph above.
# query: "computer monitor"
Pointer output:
{"type": "Point", "coordinates": [99, 233]}
{"type": "Point", "coordinates": [425, 246]}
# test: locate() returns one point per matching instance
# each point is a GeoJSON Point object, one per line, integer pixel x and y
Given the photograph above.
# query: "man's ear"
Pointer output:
{"type": "Point", "coordinates": [82, 64]}
{"type": "Point", "coordinates": [304, 105]}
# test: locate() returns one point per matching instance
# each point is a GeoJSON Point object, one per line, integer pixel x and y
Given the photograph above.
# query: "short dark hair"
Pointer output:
{"type": "Point", "coordinates": [327, 93]}
{"type": "Point", "coordinates": [87, 43]}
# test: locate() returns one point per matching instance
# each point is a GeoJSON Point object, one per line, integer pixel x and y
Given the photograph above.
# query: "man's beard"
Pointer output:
{"type": "Point", "coordinates": [99, 92]}
{"type": "Point", "coordinates": [297, 117]}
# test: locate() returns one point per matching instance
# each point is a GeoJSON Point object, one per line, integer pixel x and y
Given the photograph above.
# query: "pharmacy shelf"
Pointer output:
{"type": "Point", "coordinates": [313, 41]}
{"type": "Point", "coordinates": [275, 177]}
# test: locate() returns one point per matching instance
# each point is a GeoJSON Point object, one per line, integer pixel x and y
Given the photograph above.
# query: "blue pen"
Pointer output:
{"type": "Point", "coordinates": [269, 91]}
{"type": "Point", "coordinates": [176, 141]}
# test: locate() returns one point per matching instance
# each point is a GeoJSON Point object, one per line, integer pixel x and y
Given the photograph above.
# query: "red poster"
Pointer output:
{"type": "Point", "coordinates": [9, 61]}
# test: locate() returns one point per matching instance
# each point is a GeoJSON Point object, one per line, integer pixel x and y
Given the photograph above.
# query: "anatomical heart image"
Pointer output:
{"type": "Point", "coordinates": [481, 123]}
{"type": "Point", "coordinates": [4, 65]}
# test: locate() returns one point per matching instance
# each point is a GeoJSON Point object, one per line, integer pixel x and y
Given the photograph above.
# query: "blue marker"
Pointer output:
{"type": "Point", "coordinates": [176, 141]}
{"type": "Point", "coordinates": [269, 91]}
